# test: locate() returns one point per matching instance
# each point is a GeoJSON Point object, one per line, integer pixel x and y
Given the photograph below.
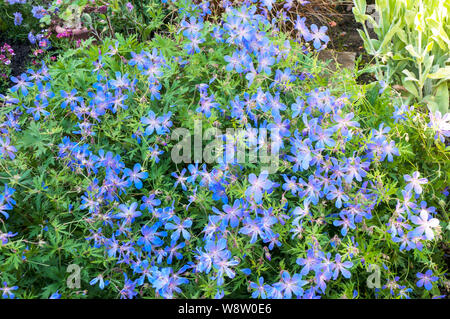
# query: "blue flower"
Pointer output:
{"type": "Point", "coordinates": [258, 185]}
{"type": "Point", "coordinates": [323, 137]}
{"type": "Point", "coordinates": [268, 3]}
{"type": "Point", "coordinates": [135, 176]}
{"type": "Point", "coordinates": [31, 38]}
{"type": "Point", "coordinates": [308, 263]}
{"type": "Point", "coordinates": [426, 224]}
{"type": "Point", "coordinates": [172, 251]}
{"type": "Point", "coordinates": [8, 291]}
{"type": "Point", "coordinates": [152, 123]}
{"type": "Point", "coordinates": [4, 236]}
{"type": "Point", "coordinates": [150, 202]}
{"type": "Point", "coordinates": [180, 228]}
{"type": "Point", "coordinates": [290, 285]}
{"type": "Point", "coordinates": [39, 109]}
{"type": "Point", "coordinates": [297, 107]}
{"type": "Point", "coordinates": [55, 295]}
{"type": "Point", "coordinates": [39, 12]}
{"type": "Point", "coordinates": [21, 83]}
{"type": "Point", "coordinates": [6, 148]}
{"type": "Point", "coordinates": [290, 184]}
{"type": "Point", "coordinates": [128, 290]}
{"type": "Point", "coordinates": [426, 280]}
{"type": "Point", "coordinates": [180, 179]}
{"type": "Point", "coordinates": [401, 113]}
{"type": "Point", "coordinates": [102, 283]}
{"type": "Point", "coordinates": [260, 288]}
{"type": "Point", "coordinates": [265, 61]}
{"type": "Point", "coordinates": [193, 45]}
{"type": "Point", "coordinates": [252, 228]}
{"type": "Point", "coordinates": [341, 267]}
{"type": "Point", "coordinates": [319, 35]}
{"type": "Point", "coordinates": [70, 98]}
{"type": "Point", "coordinates": [388, 149]}
{"type": "Point", "coordinates": [192, 27]}
{"type": "Point", "coordinates": [18, 18]}
{"type": "Point", "coordinates": [45, 92]}
{"type": "Point", "coordinates": [414, 182]}
{"type": "Point", "coordinates": [234, 62]}
{"type": "Point", "coordinates": [338, 194]}
{"type": "Point", "coordinates": [151, 237]}
{"type": "Point", "coordinates": [303, 29]}
{"type": "Point", "coordinates": [232, 213]}
{"type": "Point", "coordinates": [128, 213]}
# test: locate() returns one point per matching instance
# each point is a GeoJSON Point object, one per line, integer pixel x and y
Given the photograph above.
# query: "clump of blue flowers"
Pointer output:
{"type": "Point", "coordinates": [88, 143]}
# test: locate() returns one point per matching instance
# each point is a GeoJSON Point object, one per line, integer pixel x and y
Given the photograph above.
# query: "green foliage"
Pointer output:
{"type": "Point", "coordinates": [52, 228]}
{"type": "Point", "coordinates": [51, 224]}
{"type": "Point", "coordinates": [412, 47]}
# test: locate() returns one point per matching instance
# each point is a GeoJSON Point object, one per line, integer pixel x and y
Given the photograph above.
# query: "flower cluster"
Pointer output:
{"type": "Point", "coordinates": [26, 9]}
{"type": "Point", "coordinates": [7, 203]}
{"type": "Point", "coordinates": [335, 205]}
{"type": "Point", "coordinates": [6, 54]}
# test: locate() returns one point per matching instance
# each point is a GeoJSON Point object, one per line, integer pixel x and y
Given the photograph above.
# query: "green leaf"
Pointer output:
{"type": "Point", "coordinates": [387, 38]}
{"type": "Point", "coordinates": [361, 5]}
{"type": "Point", "coordinates": [442, 73]}
{"type": "Point", "coordinates": [442, 97]}
{"type": "Point", "coordinates": [411, 88]}
{"type": "Point", "coordinates": [401, 34]}
{"type": "Point", "coordinates": [410, 76]}
{"type": "Point", "coordinates": [359, 10]}
{"type": "Point", "coordinates": [46, 19]}
{"type": "Point", "coordinates": [86, 18]}
{"type": "Point", "coordinates": [412, 51]}
{"type": "Point", "coordinates": [366, 42]}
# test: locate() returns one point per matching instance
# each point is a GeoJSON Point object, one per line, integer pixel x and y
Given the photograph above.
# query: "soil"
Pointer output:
{"type": "Point", "coordinates": [446, 249]}
{"type": "Point", "coordinates": [345, 37]}
{"type": "Point", "coordinates": [22, 59]}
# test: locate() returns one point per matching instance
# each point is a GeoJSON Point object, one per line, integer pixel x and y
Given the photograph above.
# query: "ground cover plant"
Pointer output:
{"type": "Point", "coordinates": [412, 47]}
{"type": "Point", "coordinates": [121, 162]}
